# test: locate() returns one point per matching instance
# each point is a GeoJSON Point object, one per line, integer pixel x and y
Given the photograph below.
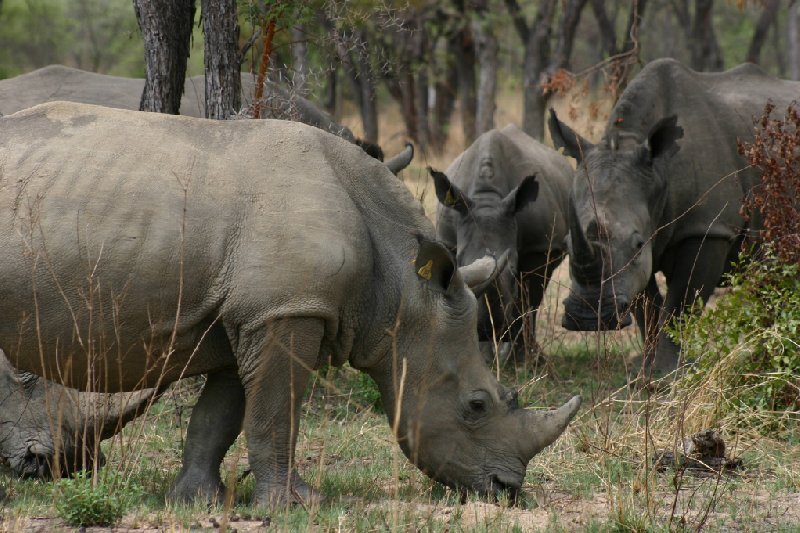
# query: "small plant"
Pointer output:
{"type": "Point", "coordinates": [84, 501]}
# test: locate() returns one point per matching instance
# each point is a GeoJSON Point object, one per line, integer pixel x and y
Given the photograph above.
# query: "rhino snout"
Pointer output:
{"type": "Point", "coordinates": [590, 312]}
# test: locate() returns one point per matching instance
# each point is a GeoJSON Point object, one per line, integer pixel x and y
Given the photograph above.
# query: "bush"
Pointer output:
{"type": "Point", "coordinates": [82, 501]}
{"type": "Point", "coordinates": [748, 344]}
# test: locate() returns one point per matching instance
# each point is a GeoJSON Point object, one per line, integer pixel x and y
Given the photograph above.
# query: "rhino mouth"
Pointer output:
{"type": "Point", "coordinates": [590, 312]}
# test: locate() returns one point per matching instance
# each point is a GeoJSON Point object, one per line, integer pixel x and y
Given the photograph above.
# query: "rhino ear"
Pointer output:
{"type": "Point", "coordinates": [523, 194]}
{"type": "Point", "coordinates": [434, 263]}
{"type": "Point", "coordinates": [448, 194]}
{"type": "Point", "coordinates": [661, 141]}
{"type": "Point", "coordinates": [564, 137]}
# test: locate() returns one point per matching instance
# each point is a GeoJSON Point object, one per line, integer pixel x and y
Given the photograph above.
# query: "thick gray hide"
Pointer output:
{"type": "Point", "coordinates": [47, 429]}
{"type": "Point", "coordinates": [500, 217]}
{"type": "Point", "coordinates": [199, 258]}
{"type": "Point", "coordinates": [662, 192]}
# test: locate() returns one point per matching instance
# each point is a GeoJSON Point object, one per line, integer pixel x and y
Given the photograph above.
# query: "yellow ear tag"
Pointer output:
{"type": "Point", "coordinates": [426, 271]}
{"type": "Point", "coordinates": [449, 199]}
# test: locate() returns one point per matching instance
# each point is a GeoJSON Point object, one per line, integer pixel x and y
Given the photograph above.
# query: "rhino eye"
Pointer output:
{"type": "Point", "coordinates": [477, 406]}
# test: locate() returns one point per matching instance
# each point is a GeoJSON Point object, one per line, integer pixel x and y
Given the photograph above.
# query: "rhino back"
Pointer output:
{"type": "Point", "coordinates": [247, 220]}
{"type": "Point", "coordinates": [707, 178]}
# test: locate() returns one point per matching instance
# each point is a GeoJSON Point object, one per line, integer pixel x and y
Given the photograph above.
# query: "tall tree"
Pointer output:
{"type": "Point", "coordinates": [704, 48]}
{"type": "Point", "coordinates": [167, 29]}
{"type": "Point", "coordinates": [536, 39]}
{"type": "Point", "coordinates": [487, 49]}
{"type": "Point", "coordinates": [463, 47]}
{"type": "Point", "coordinates": [794, 42]}
{"type": "Point", "coordinates": [221, 45]}
{"type": "Point", "coordinates": [769, 11]}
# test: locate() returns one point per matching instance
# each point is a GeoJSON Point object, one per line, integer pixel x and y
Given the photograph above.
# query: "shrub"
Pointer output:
{"type": "Point", "coordinates": [82, 501]}
{"type": "Point", "coordinates": [748, 344]}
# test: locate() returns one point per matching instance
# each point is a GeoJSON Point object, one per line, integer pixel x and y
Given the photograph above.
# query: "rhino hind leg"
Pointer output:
{"type": "Point", "coordinates": [275, 372]}
{"type": "Point", "coordinates": [215, 423]}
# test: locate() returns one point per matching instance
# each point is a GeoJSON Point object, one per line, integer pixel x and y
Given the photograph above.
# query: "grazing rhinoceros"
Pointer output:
{"type": "Point", "coordinates": [57, 82]}
{"type": "Point", "coordinates": [139, 248]}
{"type": "Point", "coordinates": [642, 202]}
{"type": "Point", "coordinates": [506, 192]}
{"type": "Point", "coordinates": [50, 430]}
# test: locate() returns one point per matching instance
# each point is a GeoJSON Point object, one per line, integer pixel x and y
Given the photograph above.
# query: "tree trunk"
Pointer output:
{"type": "Point", "coordinates": [223, 79]}
{"type": "Point", "coordinates": [167, 30]}
{"type": "Point", "coordinates": [369, 104]}
{"type": "Point", "coordinates": [566, 34]}
{"type": "Point", "coordinates": [537, 57]}
{"type": "Point", "coordinates": [794, 46]}
{"type": "Point", "coordinates": [768, 13]}
{"type": "Point", "coordinates": [705, 51]}
{"type": "Point", "coordinates": [487, 48]}
{"type": "Point", "coordinates": [299, 60]}
{"type": "Point", "coordinates": [608, 35]}
{"type": "Point", "coordinates": [465, 67]}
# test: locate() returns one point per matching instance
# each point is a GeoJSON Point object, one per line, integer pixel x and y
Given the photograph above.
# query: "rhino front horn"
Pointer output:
{"type": "Point", "coordinates": [544, 427]}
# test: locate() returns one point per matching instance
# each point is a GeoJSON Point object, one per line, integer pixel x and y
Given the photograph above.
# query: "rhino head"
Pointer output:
{"type": "Point", "coordinates": [451, 417]}
{"type": "Point", "coordinates": [47, 430]}
{"type": "Point", "coordinates": [487, 223]}
{"type": "Point", "coordinates": [618, 196]}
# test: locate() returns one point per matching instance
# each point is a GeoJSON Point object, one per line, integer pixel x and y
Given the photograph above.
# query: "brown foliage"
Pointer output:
{"type": "Point", "coordinates": [776, 150]}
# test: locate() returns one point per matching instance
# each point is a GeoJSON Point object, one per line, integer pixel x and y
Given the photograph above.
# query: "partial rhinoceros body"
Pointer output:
{"type": "Point", "coordinates": [50, 430]}
{"type": "Point", "coordinates": [507, 191]}
{"type": "Point", "coordinates": [60, 83]}
{"type": "Point", "coordinates": [142, 248]}
{"type": "Point", "coordinates": [662, 191]}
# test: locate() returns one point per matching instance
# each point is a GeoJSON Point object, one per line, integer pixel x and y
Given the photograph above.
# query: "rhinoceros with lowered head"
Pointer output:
{"type": "Point", "coordinates": [507, 191]}
{"type": "Point", "coordinates": [48, 430]}
{"type": "Point", "coordinates": [252, 252]}
{"type": "Point", "coordinates": [57, 82]}
{"type": "Point", "coordinates": [662, 191]}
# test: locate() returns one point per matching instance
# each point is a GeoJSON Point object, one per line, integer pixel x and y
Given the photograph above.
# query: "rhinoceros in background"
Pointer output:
{"type": "Point", "coordinates": [50, 430]}
{"type": "Point", "coordinates": [506, 192]}
{"type": "Point", "coordinates": [251, 251]}
{"type": "Point", "coordinates": [642, 202]}
{"type": "Point", "coordinates": [57, 82]}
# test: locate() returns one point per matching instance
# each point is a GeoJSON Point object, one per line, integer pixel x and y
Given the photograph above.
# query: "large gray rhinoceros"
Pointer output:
{"type": "Point", "coordinates": [57, 82]}
{"type": "Point", "coordinates": [507, 192]}
{"type": "Point", "coordinates": [50, 430]}
{"type": "Point", "coordinates": [642, 202]}
{"type": "Point", "coordinates": [139, 248]}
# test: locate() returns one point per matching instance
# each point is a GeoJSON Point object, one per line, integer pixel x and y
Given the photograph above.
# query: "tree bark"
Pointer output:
{"type": "Point", "coordinates": [167, 30]}
{"type": "Point", "coordinates": [768, 13]}
{"type": "Point", "coordinates": [487, 48]}
{"type": "Point", "coordinates": [221, 38]}
{"type": "Point", "coordinates": [465, 67]}
{"type": "Point", "coordinates": [299, 60]}
{"type": "Point", "coordinates": [537, 55]}
{"type": "Point", "coordinates": [566, 34]}
{"type": "Point", "coordinates": [704, 48]}
{"type": "Point", "coordinates": [794, 44]}
{"type": "Point", "coordinates": [608, 35]}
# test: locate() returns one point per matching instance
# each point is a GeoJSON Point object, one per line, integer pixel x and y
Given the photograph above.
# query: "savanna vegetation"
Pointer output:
{"type": "Point", "coordinates": [440, 73]}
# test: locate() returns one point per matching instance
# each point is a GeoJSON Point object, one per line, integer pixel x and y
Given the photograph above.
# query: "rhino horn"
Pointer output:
{"type": "Point", "coordinates": [107, 414]}
{"type": "Point", "coordinates": [585, 260]}
{"type": "Point", "coordinates": [401, 160]}
{"type": "Point", "coordinates": [542, 428]}
{"type": "Point", "coordinates": [482, 272]}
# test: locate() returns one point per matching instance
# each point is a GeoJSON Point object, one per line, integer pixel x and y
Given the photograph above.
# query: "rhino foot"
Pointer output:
{"type": "Point", "coordinates": [192, 485]}
{"type": "Point", "coordinates": [275, 495]}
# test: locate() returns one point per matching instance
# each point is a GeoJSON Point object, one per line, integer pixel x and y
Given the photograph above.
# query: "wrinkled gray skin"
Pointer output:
{"type": "Point", "coordinates": [57, 82]}
{"type": "Point", "coordinates": [47, 430]}
{"type": "Point", "coordinates": [506, 192]}
{"type": "Point", "coordinates": [661, 192]}
{"type": "Point", "coordinates": [322, 255]}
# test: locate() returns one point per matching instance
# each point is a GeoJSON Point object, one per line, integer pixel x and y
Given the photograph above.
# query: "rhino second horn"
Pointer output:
{"type": "Point", "coordinates": [479, 274]}
{"type": "Point", "coordinates": [544, 427]}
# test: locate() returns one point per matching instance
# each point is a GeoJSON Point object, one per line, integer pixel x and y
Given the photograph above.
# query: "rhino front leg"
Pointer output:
{"type": "Point", "coordinates": [275, 377]}
{"type": "Point", "coordinates": [215, 423]}
{"type": "Point", "coordinates": [538, 269]}
{"type": "Point", "coordinates": [697, 269]}
{"type": "Point", "coordinates": [648, 312]}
